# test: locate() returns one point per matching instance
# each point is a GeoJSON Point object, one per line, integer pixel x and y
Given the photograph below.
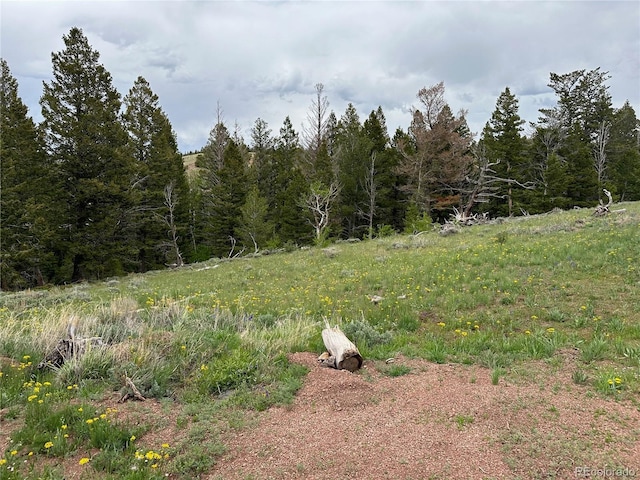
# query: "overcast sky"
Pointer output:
{"type": "Point", "coordinates": [262, 59]}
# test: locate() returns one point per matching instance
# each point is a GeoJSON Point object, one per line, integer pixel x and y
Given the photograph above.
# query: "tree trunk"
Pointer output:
{"type": "Point", "coordinates": [344, 355]}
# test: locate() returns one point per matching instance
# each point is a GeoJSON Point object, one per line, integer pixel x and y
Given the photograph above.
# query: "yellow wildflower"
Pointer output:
{"type": "Point", "coordinates": [83, 460]}
{"type": "Point", "coordinates": [48, 445]}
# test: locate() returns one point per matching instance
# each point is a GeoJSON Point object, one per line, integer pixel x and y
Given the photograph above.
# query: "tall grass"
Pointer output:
{"type": "Point", "coordinates": [494, 295]}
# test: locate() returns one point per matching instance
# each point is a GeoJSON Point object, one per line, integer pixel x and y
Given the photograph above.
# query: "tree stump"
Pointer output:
{"type": "Point", "coordinates": [342, 352]}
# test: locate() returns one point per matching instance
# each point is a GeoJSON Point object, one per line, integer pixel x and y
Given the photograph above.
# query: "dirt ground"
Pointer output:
{"type": "Point", "coordinates": [438, 422]}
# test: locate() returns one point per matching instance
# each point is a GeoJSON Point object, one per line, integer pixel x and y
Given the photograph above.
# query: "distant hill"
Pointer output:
{"type": "Point", "coordinates": [190, 162]}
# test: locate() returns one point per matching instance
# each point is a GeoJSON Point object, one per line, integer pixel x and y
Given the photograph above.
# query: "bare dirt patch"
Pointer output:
{"type": "Point", "coordinates": [436, 422]}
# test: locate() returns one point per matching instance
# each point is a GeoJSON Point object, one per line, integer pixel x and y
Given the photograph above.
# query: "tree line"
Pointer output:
{"type": "Point", "coordinates": [99, 187]}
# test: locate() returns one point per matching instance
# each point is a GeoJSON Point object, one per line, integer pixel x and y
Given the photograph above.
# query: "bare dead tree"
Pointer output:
{"type": "Point", "coordinates": [432, 100]}
{"type": "Point", "coordinates": [484, 183]}
{"type": "Point", "coordinates": [600, 150]}
{"type": "Point", "coordinates": [319, 202]}
{"type": "Point", "coordinates": [170, 203]}
{"type": "Point", "coordinates": [371, 191]}
{"type": "Point", "coordinates": [314, 131]}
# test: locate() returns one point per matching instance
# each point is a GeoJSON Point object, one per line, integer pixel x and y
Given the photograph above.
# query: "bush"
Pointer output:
{"type": "Point", "coordinates": [361, 332]}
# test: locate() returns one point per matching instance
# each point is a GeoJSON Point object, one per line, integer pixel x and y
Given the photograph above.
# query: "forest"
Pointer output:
{"type": "Point", "coordinates": [99, 187]}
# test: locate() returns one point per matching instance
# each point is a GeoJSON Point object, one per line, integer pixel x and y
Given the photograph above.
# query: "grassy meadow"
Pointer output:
{"type": "Point", "coordinates": [210, 340]}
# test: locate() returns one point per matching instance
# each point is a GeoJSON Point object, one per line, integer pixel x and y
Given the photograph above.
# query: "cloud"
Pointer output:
{"type": "Point", "coordinates": [262, 59]}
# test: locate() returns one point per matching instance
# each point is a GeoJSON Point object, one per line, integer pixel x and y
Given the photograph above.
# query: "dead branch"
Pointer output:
{"type": "Point", "coordinates": [604, 209]}
{"type": "Point", "coordinates": [68, 349]}
{"type": "Point", "coordinates": [133, 394]}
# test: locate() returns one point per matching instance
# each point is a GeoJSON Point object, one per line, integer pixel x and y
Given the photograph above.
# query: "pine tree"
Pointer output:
{"type": "Point", "coordinates": [210, 162]}
{"type": "Point", "coordinates": [262, 160]}
{"type": "Point", "coordinates": [159, 165]}
{"type": "Point", "coordinates": [285, 213]}
{"type": "Point", "coordinates": [27, 206]}
{"type": "Point", "coordinates": [582, 182]}
{"type": "Point", "coordinates": [383, 178]}
{"type": "Point", "coordinates": [624, 154]}
{"type": "Point", "coordinates": [584, 113]}
{"type": "Point", "coordinates": [85, 139]}
{"type": "Point", "coordinates": [228, 196]}
{"type": "Point", "coordinates": [352, 152]}
{"type": "Point", "coordinates": [506, 146]}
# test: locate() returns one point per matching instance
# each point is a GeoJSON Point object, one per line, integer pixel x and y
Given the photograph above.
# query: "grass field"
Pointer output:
{"type": "Point", "coordinates": [214, 337]}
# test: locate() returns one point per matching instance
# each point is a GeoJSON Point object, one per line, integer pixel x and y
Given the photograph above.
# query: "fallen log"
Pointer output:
{"type": "Point", "coordinates": [341, 352]}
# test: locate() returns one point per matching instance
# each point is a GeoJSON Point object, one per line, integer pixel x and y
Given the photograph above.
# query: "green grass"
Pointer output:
{"type": "Point", "coordinates": [212, 338]}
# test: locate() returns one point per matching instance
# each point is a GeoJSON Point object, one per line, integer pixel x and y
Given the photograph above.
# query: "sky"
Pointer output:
{"type": "Point", "coordinates": [262, 59]}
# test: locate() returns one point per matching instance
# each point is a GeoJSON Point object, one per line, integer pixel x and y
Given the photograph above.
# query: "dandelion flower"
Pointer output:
{"type": "Point", "coordinates": [14, 452]}
{"type": "Point", "coordinates": [165, 445]}
{"type": "Point", "coordinates": [83, 460]}
{"type": "Point", "coordinates": [133, 437]}
{"type": "Point", "coordinates": [48, 445]}
{"type": "Point", "coordinates": [3, 461]}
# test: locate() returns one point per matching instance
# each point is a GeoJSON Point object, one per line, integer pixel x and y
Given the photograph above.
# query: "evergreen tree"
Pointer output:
{"type": "Point", "coordinates": [387, 205]}
{"type": "Point", "coordinates": [210, 162]}
{"type": "Point", "coordinates": [624, 154]}
{"type": "Point", "coordinates": [159, 165]}
{"type": "Point", "coordinates": [582, 182]}
{"type": "Point", "coordinates": [85, 140]}
{"type": "Point", "coordinates": [27, 204]}
{"type": "Point", "coordinates": [352, 152]}
{"type": "Point", "coordinates": [584, 111]}
{"type": "Point", "coordinates": [285, 212]}
{"type": "Point", "coordinates": [229, 195]}
{"type": "Point", "coordinates": [262, 160]}
{"type": "Point", "coordinates": [505, 146]}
